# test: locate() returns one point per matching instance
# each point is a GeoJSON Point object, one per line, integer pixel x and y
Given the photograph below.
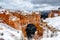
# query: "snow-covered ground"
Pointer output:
{"type": "Point", "coordinates": [53, 38]}
{"type": "Point", "coordinates": [8, 33]}
{"type": "Point", "coordinates": [55, 23]}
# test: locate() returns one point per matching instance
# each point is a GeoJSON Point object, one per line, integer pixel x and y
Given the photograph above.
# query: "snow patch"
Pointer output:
{"type": "Point", "coordinates": [10, 33]}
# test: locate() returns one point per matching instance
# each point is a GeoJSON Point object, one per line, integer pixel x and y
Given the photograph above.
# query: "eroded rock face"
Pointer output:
{"type": "Point", "coordinates": [19, 21]}
{"type": "Point", "coordinates": [14, 18]}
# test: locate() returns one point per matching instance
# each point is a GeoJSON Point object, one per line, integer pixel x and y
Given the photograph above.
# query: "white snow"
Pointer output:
{"type": "Point", "coordinates": [53, 38]}
{"type": "Point", "coordinates": [10, 33]}
{"type": "Point", "coordinates": [55, 22]}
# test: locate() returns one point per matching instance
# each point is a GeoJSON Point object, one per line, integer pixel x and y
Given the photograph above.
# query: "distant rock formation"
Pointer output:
{"type": "Point", "coordinates": [59, 8]}
{"type": "Point", "coordinates": [1, 7]}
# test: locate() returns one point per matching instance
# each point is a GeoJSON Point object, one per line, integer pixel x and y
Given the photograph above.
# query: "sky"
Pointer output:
{"type": "Point", "coordinates": [30, 5]}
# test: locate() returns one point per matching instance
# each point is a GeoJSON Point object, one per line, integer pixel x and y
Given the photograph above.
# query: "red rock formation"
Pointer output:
{"type": "Point", "coordinates": [54, 13]}
{"type": "Point", "coordinates": [17, 21]}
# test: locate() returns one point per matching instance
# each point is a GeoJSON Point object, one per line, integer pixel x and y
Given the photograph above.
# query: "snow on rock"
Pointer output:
{"type": "Point", "coordinates": [55, 22]}
{"type": "Point", "coordinates": [53, 38]}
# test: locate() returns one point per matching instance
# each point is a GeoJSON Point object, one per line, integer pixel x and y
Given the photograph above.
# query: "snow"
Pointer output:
{"type": "Point", "coordinates": [10, 33]}
{"type": "Point", "coordinates": [53, 38]}
{"type": "Point", "coordinates": [55, 22]}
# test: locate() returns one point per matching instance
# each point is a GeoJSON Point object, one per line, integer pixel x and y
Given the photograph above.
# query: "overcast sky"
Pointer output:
{"type": "Point", "coordinates": [52, 2]}
{"type": "Point", "coordinates": [31, 5]}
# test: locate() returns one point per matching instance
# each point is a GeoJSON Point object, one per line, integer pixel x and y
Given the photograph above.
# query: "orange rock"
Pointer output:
{"type": "Point", "coordinates": [54, 13]}
{"type": "Point", "coordinates": [22, 21]}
